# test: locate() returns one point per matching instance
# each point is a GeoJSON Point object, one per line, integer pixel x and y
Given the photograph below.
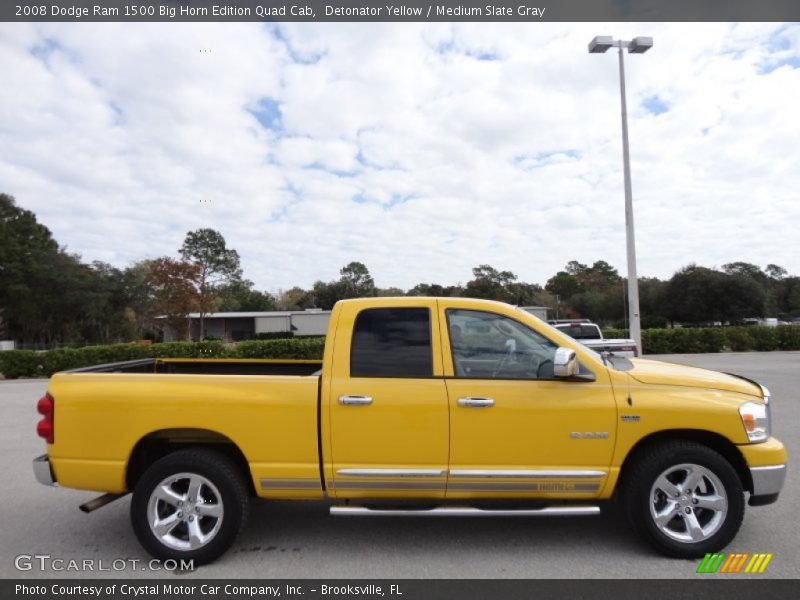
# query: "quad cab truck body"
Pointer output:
{"type": "Point", "coordinates": [420, 406]}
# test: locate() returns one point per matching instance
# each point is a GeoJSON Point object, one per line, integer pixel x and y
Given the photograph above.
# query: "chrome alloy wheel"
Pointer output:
{"type": "Point", "coordinates": [185, 511]}
{"type": "Point", "coordinates": [688, 503]}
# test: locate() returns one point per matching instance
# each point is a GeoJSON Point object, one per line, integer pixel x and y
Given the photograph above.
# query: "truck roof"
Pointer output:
{"type": "Point", "coordinates": [411, 300]}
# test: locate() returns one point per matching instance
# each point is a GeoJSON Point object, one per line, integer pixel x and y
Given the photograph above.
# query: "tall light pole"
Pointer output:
{"type": "Point", "coordinates": [638, 45]}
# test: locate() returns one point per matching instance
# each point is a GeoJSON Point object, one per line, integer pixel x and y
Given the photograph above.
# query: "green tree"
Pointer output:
{"type": "Point", "coordinates": [746, 270]}
{"type": "Point", "coordinates": [295, 298]}
{"type": "Point", "coordinates": [356, 281]}
{"type": "Point", "coordinates": [790, 298]}
{"type": "Point", "coordinates": [745, 298]}
{"type": "Point", "coordinates": [240, 295]}
{"type": "Point", "coordinates": [587, 304]}
{"type": "Point", "coordinates": [139, 311]}
{"type": "Point", "coordinates": [41, 285]}
{"type": "Point", "coordinates": [218, 265]}
{"type": "Point", "coordinates": [651, 302]}
{"type": "Point", "coordinates": [489, 283]}
{"type": "Point", "coordinates": [524, 294]}
{"type": "Point", "coordinates": [564, 285]}
{"type": "Point", "coordinates": [593, 292]}
{"type": "Point", "coordinates": [698, 295]}
{"type": "Point", "coordinates": [25, 246]}
{"type": "Point", "coordinates": [600, 275]}
{"type": "Point", "coordinates": [776, 272]}
{"type": "Point", "coordinates": [436, 290]}
{"type": "Point", "coordinates": [575, 268]}
{"type": "Point", "coordinates": [325, 294]}
{"type": "Point", "coordinates": [390, 292]}
{"type": "Point", "coordinates": [768, 280]}
{"type": "Point", "coordinates": [103, 299]}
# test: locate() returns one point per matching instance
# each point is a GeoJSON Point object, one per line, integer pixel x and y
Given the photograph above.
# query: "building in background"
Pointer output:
{"type": "Point", "coordinates": [537, 311]}
{"type": "Point", "coordinates": [236, 326]}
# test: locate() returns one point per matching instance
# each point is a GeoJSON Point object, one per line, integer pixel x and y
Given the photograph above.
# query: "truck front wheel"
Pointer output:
{"type": "Point", "coordinates": [684, 498]}
{"type": "Point", "coordinates": [189, 505]}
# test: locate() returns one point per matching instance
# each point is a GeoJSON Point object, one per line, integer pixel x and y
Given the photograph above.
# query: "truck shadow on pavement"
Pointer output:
{"type": "Point", "coordinates": [291, 527]}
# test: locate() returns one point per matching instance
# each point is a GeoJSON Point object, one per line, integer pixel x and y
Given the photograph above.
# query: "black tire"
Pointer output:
{"type": "Point", "coordinates": [226, 481]}
{"type": "Point", "coordinates": [637, 499]}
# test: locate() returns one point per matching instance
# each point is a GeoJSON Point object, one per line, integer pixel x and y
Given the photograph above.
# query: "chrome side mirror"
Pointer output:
{"type": "Point", "coordinates": [565, 363]}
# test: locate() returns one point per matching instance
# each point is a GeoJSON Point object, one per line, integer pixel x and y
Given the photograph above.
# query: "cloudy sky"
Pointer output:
{"type": "Point", "coordinates": [421, 150]}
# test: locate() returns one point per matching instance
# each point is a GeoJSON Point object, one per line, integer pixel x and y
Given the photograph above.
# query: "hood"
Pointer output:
{"type": "Point", "coordinates": [663, 373]}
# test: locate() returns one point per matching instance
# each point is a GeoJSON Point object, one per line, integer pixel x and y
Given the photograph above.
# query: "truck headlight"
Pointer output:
{"type": "Point", "coordinates": [755, 418]}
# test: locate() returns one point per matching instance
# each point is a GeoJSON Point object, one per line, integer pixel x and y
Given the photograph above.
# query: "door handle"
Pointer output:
{"type": "Point", "coordinates": [355, 400]}
{"type": "Point", "coordinates": [472, 402]}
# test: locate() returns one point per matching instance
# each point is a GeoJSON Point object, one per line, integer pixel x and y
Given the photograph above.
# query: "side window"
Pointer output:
{"type": "Point", "coordinates": [487, 345]}
{"type": "Point", "coordinates": [392, 342]}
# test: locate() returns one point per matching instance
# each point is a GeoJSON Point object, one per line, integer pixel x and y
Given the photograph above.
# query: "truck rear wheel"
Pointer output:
{"type": "Point", "coordinates": [189, 505]}
{"type": "Point", "coordinates": [684, 498]}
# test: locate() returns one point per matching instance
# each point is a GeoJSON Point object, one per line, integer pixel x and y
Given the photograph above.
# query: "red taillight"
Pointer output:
{"type": "Point", "coordinates": [45, 405]}
{"type": "Point", "coordinates": [45, 428]}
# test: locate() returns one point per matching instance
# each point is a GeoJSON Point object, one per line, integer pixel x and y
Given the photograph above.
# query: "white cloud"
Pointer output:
{"type": "Point", "coordinates": [422, 150]}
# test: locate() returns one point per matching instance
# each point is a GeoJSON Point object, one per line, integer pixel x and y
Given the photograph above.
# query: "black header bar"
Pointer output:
{"type": "Point", "coordinates": [188, 588]}
{"type": "Point", "coordinates": [532, 11]}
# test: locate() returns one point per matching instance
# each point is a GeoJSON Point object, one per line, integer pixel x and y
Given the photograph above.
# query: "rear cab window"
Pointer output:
{"type": "Point", "coordinates": [580, 331]}
{"type": "Point", "coordinates": [392, 342]}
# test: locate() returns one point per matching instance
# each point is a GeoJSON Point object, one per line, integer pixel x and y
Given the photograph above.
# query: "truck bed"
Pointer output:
{"type": "Point", "coordinates": [269, 407]}
{"type": "Point", "coordinates": [209, 366]}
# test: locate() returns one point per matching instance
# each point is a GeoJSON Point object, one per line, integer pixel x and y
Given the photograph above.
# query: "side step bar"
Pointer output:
{"type": "Point", "coordinates": [99, 502]}
{"type": "Point", "coordinates": [465, 511]}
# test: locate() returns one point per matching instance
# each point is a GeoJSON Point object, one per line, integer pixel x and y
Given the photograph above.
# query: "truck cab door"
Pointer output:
{"type": "Point", "coordinates": [387, 429]}
{"type": "Point", "coordinates": [516, 430]}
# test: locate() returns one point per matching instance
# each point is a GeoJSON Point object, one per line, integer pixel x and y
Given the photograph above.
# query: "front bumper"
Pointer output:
{"type": "Point", "coordinates": [767, 464]}
{"type": "Point", "coordinates": [42, 470]}
{"type": "Point", "coordinates": [767, 484]}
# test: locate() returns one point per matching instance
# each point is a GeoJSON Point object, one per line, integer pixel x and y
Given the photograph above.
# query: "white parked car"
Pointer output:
{"type": "Point", "coordinates": [590, 335]}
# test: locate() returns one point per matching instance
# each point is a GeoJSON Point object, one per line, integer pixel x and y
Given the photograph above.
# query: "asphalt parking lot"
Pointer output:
{"type": "Point", "coordinates": [300, 540]}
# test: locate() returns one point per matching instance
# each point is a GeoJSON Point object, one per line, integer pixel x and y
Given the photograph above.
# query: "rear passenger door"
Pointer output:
{"type": "Point", "coordinates": [389, 430]}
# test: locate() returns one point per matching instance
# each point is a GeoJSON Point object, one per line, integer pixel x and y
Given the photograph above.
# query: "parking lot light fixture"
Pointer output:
{"type": "Point", "coordinates": [600, 44]}
{"type": "Point", "coordinates": [638, 45]}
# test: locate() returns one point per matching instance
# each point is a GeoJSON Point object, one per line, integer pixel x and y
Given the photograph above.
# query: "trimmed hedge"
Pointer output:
{"type": "Point", "coordinates": [305, 348]}
{"type": "Point", "coordinates": [691, 340]}
{"type": "Point", "coordinates": [274, 335]}
{"type": "Point", "coordinates": [683, 341]}
{"type": "Point", "coordinates": [21, 363]}
{"type": "Point", "coordinates": [615, 333]}
{"type": "Point", "coordinates": [28, 363]}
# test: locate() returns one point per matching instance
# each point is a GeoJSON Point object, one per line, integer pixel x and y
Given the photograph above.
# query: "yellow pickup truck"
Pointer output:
{"type": "Point", "coordinates": [420, 406]}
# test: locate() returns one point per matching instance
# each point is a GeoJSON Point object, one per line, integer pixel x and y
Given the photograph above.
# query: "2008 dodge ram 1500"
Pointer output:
{"type": "Point", "coordinates": [445, 406]}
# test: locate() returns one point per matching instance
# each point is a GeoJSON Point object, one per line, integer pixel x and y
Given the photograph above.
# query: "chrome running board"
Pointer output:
{"type": "Point", "coordinates": [465, 511]}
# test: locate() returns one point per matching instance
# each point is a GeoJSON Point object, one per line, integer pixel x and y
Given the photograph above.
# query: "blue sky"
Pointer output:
{"type": "Point", "coordinates": [421, 150]}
